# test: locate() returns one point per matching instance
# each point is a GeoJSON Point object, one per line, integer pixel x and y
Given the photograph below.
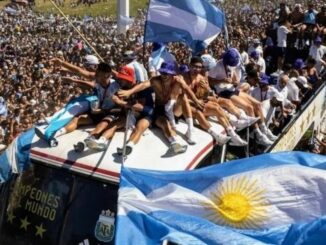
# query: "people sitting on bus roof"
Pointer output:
{"type": "Point", "coordinates": [170, 94]}
{"type": "Point", "coordinates": [225, 78]}
{"type": "Point", "coordinates": [200, 86]}
{"type": "Point", "coordinates": [110, 120]}
{"type": "Point", "coordinates": [77, 109]}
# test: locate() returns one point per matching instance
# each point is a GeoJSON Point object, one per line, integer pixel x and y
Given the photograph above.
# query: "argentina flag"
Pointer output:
{"type": "Point", "coordinates": [195, 22]}
{"type": "Point", "coordinates": [15, 159]}
{"type": "Point", "coordinates": [275, 198]}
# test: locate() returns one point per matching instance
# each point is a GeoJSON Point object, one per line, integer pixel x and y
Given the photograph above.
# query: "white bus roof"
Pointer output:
{"type": "Point", "coordinates": [150, 153]}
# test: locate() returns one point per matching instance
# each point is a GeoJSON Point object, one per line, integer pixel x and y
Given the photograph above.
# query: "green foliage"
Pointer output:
{"type": "Point", "coordinates": [103, 8]}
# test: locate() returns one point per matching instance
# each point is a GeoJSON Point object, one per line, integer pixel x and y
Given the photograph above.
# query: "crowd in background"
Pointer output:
{"type": "Point", "coordinates": [30, 84]}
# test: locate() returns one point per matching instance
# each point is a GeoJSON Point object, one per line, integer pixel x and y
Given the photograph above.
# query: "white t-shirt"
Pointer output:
{"type": "Point", "coordinates": [293, 90]}
{"type": "Point", "coordinates": [262, 64]}
{"type": "Point", "coordinates": [282, 32]}
{"type": "Point", "coordinates": [244, 58]}
{"type": "Point", "coordinates": [220, 72]}
{"type": "Point", "coordinates": [317, 53]}
{"type": "Point", "coordinates": [260, 95]}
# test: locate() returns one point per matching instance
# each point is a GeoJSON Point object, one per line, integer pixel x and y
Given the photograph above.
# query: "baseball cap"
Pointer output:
{"type": "Point", "coordinates": [126, 73]}
{"type": "Point", "coordinates": [298, 64]}
{"type": "Point", "coordinates": [231, 57]}
{"type": "Point", "coordinates": [168, 67]}
{"type": "Point", "coordinates": [254, 54]}
{"type": "Point", "coordinates": [91, 60]}
{"type": "Point", "coordinates": [129, 55]}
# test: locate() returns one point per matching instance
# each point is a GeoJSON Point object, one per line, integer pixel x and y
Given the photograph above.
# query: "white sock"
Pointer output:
{"type": "Point", "coordinates": [131, 144]}
{"type": "Point", "coordinates": [103, 139]}
{"type": "Point", "coordinates": [60, 132]}
{"type": "Point", "coordinates": [172, 140]}
{"type": "Point", "coordinates": [190, 123]}
{"type": "Point", "coordinates": [243, 115]}
{"type": "Point", "coordinates": [263, 128]}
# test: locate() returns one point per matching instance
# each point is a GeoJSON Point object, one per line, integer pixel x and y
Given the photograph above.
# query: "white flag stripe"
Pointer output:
{"type": "Point", "coordinates": [198, 27]}
{"type": "Point", "coordinates": [290, 192]}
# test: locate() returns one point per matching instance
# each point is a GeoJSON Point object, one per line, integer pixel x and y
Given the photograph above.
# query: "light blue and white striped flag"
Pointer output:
{"type": "Point", "coordinates": [268, 199]}
{"type": "Point", "coordinates": [15, 159]}
{"type": "Point", "coordinates": [195, 22]}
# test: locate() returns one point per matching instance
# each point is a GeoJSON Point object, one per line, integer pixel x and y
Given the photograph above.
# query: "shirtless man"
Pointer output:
{"type": "Point", "coordinates": [168, 89]}
{"type": "Point", "coordinates": [200, 87]}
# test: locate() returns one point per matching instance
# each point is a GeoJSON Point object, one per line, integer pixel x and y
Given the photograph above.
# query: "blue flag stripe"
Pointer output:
{"type": "Point", "coordinates": [200, 8]}
{"type": "Point", "coordinates": [217, 171]}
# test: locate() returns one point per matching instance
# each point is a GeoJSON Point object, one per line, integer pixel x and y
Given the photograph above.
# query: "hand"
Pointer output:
{"type": "Point", "coordinates": [124, 94]}
{"type": "Point", "coordinates": [200, 104]}
{"type": "Point", "coordinates": [204, 84]}
{"type": "Point", "coordinates": [228, 80]}
{"type": "Point", "coordinates": [56, 61]}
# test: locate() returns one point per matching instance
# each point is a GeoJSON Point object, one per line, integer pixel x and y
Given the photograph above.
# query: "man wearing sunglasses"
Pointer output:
{"type": "Point", "coordinates": [170, 99]}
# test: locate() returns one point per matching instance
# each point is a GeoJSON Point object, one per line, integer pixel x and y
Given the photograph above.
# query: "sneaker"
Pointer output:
{"type": "Point", "coordinates": [189, 139]}
{"type": "Point", "coordinates": [79, 147]}
{"type": "Point", "coordinates": [90, 142]}
{"type": "Point", "coordinates": [53, 142]}
{"type": "Point", "coordinates": [270, 135]}
{"type": "Point", "coordinates": [178, 148]}
{"type": "Point", "coordinates": [240, 124]}
{"type": "Point", "coordinates": [263, 140]}
{"type": "Point", "coordinates": [128, 150]}
{"type": "Point", "coordinates": [101, 144]}
{"type": "Point", "coordinates": [237, 141]}
{"type": "Point", "coordinates": [222, 139]}
{"type": "Point", "coordinates": [252, 120]}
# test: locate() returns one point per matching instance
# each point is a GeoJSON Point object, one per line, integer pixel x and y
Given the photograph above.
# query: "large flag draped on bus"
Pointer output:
{"type": "Point", "coordinates": [15, 159]}
{"type": "Point", "coordinates": [195, 22]}
{"type": "Point", "coordinates": [268, 199]}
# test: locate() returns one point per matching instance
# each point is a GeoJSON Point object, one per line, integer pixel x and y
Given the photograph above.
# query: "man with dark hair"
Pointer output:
{"type": "Point", "coordinates": [170, 96]}
{"type": "Point", "coordinates": [73, 113]}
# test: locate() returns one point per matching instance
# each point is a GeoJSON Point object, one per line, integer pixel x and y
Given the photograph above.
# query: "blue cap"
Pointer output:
{"type": "Point", "coordinates": [264, 79]}
{"type": "Point", "coordinates": [183, 69]}
{"type": "Point", "coordinates": [231, 57]}
{"type": "Point", "coordinates": [169, 68]}
{"type": "Point", "coordinates": [298, 64]}
{"type": "Point", "coordinates": [318, 40]}
{"type": "Point", "coordinates": [254, 54]}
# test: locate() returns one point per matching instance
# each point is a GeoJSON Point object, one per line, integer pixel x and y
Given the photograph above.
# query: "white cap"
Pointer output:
{"type": "Point", "coordinates": [303, 81]}
{"type": "Point", "coordinates": [60, 53]}
{"type": "Point", "coordinates": [91, 60]}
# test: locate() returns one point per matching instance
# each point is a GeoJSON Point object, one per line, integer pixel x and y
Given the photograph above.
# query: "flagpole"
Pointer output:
{"type": "Point", "coordinates": [80, 34]}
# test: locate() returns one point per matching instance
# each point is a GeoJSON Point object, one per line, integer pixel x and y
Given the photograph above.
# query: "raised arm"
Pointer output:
{"type": "Point", "coordinates": [75, 69]}
{"type": "Point", "coordinates": [139, 87]}
{"type": "Point", "coordinates": [80, 82]}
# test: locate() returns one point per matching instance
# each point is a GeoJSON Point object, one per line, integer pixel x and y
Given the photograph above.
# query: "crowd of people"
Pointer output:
{"type": "Point", "coordinates": [278, 59]}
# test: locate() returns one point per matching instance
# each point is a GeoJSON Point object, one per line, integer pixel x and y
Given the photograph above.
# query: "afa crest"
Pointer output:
{"type": "Point", "coordinates": [104, 229]}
